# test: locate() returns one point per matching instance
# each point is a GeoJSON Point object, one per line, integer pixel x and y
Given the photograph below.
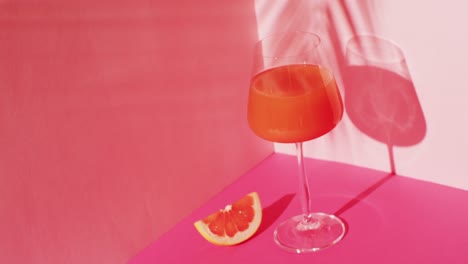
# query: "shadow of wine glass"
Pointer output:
{"type": "Point", "coordinates": [271, 213]}
{"type": "Point", "coordinates": [381, 99]}
{"type": "Point", "coordinates": [379, 95]}
{"type": "Point", "coordinates": [362, 195]}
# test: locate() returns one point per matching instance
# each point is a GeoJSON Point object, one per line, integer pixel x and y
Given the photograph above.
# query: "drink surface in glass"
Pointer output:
{"type": "Point", "coordinates": [294, 103]}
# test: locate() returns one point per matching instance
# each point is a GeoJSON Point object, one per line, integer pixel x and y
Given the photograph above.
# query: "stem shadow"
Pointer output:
{"type": "Point", "coordinates": [361, 196]}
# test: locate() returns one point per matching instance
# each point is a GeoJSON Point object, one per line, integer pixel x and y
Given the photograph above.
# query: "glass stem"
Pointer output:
{"type": "Point", "coordinates": [304, 191]}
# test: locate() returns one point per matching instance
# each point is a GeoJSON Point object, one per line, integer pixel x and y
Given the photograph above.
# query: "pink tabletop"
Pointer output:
{"type": "Point", "coordinates": [390, 219]}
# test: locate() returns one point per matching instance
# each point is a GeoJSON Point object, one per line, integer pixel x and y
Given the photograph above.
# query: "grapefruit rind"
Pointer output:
{"type": "Point", "coordinates": [240, 236]}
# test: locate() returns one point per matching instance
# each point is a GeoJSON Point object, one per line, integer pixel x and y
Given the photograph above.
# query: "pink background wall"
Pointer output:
{"type": "Point", "coordinates": [117, 119]}
{"type": "Point", "coordinates": [433, 38]}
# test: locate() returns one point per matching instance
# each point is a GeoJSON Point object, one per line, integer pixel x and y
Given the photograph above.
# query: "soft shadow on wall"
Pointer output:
{"type": "Point", "coordinates": [117, 119]}
{"type": "Point", "coordinates": [380, 97]}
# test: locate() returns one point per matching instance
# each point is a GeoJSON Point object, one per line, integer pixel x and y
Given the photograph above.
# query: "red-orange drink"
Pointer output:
{"type": "Point", "coordinates": [294, 103]}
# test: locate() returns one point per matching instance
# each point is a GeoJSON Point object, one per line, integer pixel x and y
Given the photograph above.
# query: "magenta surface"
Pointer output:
{"type": "Point", "coordinates": [390, 219]}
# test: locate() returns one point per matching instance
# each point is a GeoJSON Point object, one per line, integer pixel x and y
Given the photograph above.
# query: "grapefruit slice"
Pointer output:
{"type": "Point", "coordinates": [234, 224]}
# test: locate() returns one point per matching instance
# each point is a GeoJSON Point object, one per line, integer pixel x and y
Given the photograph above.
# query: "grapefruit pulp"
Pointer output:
{"type": "Point", "coordinates": [234, 224]}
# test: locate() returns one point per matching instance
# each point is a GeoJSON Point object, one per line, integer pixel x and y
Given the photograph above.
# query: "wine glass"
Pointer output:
{"type": "Point", "coordinates": [293, 98]}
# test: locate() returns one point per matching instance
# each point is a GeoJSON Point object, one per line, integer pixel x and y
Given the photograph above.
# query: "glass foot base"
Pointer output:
{"type": "Point", "coordinates": [302, 234]}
